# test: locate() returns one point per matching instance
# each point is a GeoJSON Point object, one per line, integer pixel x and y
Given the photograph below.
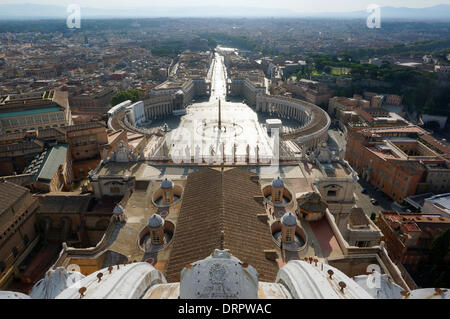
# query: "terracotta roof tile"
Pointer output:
{"type": "Point", "coordinates": [214, 202]}
{"type": "Point", "coordinates": [10, 193]}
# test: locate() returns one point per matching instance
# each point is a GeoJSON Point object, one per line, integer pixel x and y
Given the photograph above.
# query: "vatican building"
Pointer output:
{"type": "Point", "coordinates": [220, 191]}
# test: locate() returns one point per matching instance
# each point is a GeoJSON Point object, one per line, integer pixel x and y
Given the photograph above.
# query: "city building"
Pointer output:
{"type": "Point", "coordinates": [437, 204]}
{"type": "Point", "coordinates": [88, 142]}
{"type": "Point", "coordinates": [408, 236]}
{"type": "Point", "coordinates": [18, 235]}
{"type": "Point", "coordinates": [34, 111]}
{"type": "Point", "coordinates": [395, 160]}
{"type": "Point", "coordinates": [50, 171]}
{"type": "Point", "coordinates": [312, 91]}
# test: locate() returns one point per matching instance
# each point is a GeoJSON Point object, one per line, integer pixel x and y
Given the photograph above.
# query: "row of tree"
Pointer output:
{"type": "Point", "coordinates": [422, 91]}
{"type": "Point", "coordinates": [132, 94]}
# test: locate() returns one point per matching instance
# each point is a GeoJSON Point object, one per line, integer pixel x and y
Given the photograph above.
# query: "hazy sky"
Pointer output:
{"type": "Point", "coordinates": [296, 5]}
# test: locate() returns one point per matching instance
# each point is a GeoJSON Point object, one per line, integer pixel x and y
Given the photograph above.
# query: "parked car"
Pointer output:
{"type": "Point", "coordinates": [373, 201]}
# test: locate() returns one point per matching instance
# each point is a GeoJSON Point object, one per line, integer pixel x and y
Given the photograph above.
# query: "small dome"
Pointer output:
{"type": "Point", "coordinates": [289, 220]}
{"type": "Point", "coordinates": [278, 183]}
{"type": "Point", "coordinates": [155, 221]}
{"type": "Point", "coordinates": [166, 184]}
{"type": "Point", "coordinates": [118, 210]}
{"type": "Point", "coordinates": [179, 92]}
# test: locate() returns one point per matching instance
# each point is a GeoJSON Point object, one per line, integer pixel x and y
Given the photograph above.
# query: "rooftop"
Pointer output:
{"type": "Point", "coordinates": [10, 193]}
{"type": "Point", "coordinates": [358, 217]}
{"type": "Point", "coordinates": [55, 158]}
{"type": "Point", "coordinates": [441, 200]}
{"type": "Point", "coordinates": [64, 203]}
{"type": "Point", "coordinates": [215, 212]}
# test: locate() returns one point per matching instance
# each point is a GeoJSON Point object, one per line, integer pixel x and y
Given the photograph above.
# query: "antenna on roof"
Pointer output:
{"type": "Point", "coordinates": [342, 285]}
{"type": "Point", "coordinates": [82, 290]}
{"type": "Point", "coordinates": [330, 272]}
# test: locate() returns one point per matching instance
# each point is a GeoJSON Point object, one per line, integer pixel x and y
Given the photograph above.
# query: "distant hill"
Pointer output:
{"type": "Point", "coordinates": [34, 11]}
{"type": "Point", "coordinates": [439, 12]}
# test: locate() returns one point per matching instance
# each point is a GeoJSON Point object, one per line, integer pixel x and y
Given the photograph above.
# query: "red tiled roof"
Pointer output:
{"type": "Point", "coordinates": [444, 149]}
{"type": "Point", "coordinates": [411, 226]}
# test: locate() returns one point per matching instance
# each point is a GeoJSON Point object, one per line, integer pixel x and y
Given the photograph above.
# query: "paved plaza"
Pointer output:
{"type": "Point", "coordinates": [241, 134]}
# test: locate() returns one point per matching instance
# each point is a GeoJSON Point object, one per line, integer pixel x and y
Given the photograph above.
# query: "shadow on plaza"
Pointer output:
{"type": "Point", "coordinates": [384, 201]}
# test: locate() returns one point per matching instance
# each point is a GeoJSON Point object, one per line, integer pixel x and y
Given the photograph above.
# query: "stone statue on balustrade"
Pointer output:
{"type": "Point", "coordinates": [122, 153]}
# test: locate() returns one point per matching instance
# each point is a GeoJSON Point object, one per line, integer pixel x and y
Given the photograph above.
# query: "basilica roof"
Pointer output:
{"type": "Point", "coordinates": [54, 282]}
{"type": "Point", "coordinates": [128, 281]}
{"type": "Point", "coordinates": [13, 295]}
{"type": "Point", "coordinates": [312, 281]}
{"type": "Point", "coordinates": [216, 212]}
{"type": "Point", "coordinates": [220, 276]}
{"type": "Point", "coordinates": [379, 286]}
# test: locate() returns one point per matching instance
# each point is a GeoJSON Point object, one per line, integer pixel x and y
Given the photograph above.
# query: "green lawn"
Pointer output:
{"type": "Point", "coordinates": [340, 71]}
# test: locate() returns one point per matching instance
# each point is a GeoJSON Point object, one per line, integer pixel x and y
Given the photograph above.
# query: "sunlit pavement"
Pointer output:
{"type": "Point", "coordinates": [240, 127]}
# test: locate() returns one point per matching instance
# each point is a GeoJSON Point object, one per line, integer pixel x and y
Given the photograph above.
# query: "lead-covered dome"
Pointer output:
{"type": "Point", "coordinates": [167, 184]}
{"type": "Point", "coordinates": [278, 183]}
{"type": "Point", "coordinates": [118, 210]}
{"type": "Point", "coordinates": [289, 220]}
{"type": "Point", "coordinates": [155, 221]}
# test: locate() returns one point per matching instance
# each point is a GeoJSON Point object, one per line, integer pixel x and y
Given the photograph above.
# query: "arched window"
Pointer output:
{"type": "Point", "coordinates": [289, 235]}
{"type": "Point", "coordinates": [155, 237]}
{"type": "Point", "coordinates": [277, 196]}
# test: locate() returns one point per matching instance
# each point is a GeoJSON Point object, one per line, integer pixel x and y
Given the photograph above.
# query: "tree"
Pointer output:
{"type": "Point", "coordinates": [443, 280]}
{"type": "Point", "coordinates": [439, 248]}
{"type": "Point", "coordinates": [121, 96]}
{"type": "Point", "coordinates": [212, 42]}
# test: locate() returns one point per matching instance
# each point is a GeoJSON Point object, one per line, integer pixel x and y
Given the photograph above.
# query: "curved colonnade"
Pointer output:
{"type": "Point", "coordinates": [315, 121]}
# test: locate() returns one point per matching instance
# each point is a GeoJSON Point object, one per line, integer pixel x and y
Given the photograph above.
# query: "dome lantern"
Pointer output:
{"type": "Point", "coordinates": [119, 213]}
{"type": "Point", "coordinates": [288, 225]}
{"type": "Point", "coordinates": [156, 227]}
{"type": "Point", "coordinates": [277, 190]}
{"type": "Point", "coordinates": [167, 187]}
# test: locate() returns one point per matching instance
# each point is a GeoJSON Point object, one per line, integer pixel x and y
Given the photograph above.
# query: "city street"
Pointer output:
{"type": "Point", "coordinates": [337, 142]}
{"type": "Point", "coordinates": [363, 200]}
